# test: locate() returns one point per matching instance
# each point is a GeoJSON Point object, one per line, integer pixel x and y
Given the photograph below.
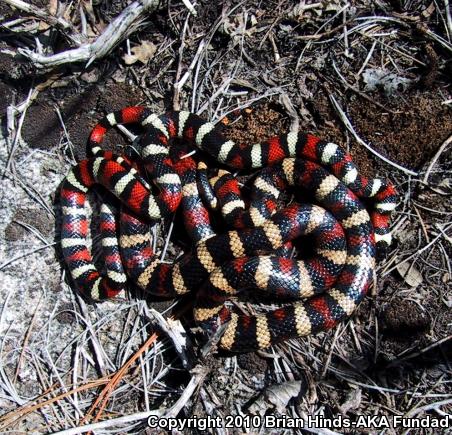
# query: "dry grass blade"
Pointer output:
{"type": "Point", "coordinates": [398, 361]}
{"type": "Point", "coordinates": [26, 254]}
{"type": "Point", "coordinates": [443, 233]}
{"type": "Point", "coordinates": [441, 149]}
{"type": "Point", "coordinates": [12, 418]}
{"type": "Point", "coordinates": [104, 396]}
{"type": "Point", "coordinates": [429, 407]}
{"type": "Point", "coordinates": [198, 377]}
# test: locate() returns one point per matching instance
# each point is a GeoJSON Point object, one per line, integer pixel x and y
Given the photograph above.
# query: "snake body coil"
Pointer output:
{"type": "Point", "coordinates": [251, 255]}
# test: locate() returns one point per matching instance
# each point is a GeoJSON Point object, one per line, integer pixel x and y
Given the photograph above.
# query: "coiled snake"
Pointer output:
{"type": "Point", "coordinates": [253, 253]}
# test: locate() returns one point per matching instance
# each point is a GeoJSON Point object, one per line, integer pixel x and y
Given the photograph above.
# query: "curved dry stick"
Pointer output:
{"type": "Point", "coordinates": [39, 13]}
{"type": "Point", "coordinates": [114, 33]}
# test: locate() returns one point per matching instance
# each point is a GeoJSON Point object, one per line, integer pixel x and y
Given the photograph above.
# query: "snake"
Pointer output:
{"type": "Point", "coordinates": [334, 279]}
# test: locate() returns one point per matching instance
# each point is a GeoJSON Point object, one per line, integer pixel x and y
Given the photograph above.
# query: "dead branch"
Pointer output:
{"type": "Point", "coordinates": [126, 22]}
{"type": "Point", "coordinates": [58, 22]}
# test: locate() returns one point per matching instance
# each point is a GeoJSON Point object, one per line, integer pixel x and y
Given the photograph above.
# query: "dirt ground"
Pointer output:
{"type": "Point", "coordinates": [373, 77]}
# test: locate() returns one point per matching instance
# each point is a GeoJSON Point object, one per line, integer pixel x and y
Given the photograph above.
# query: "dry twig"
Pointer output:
{"type": "Point", "coordinates": [124, 24]}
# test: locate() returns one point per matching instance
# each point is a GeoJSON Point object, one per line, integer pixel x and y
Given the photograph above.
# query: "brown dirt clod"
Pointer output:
{"type": "Point", "coordinates": [404, 319]}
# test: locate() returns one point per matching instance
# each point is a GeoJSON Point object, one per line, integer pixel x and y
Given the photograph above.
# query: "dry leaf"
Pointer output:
{"type": "Point", "coordinates": [53, 7]}
{"type": "Point", "coordinates": [429, 10]}
{"type": "Point", "coordinates": [143, 52]}
{"type": "Point", "coordinates": [278, 396]}
{"type": "Point", "coordinates": [91, 76]}
{"type": "Point", "coordinates": [406, 233]}
{"type": "Point", "coordinates": [380, 78]}
{"type": "Point", "coordinates": [410, 274]}
{"type": "Point", "coordinates": [352, 401]}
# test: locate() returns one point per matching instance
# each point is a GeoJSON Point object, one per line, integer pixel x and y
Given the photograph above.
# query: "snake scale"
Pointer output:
{"type": "Point", "coordinates": [254, 253]}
